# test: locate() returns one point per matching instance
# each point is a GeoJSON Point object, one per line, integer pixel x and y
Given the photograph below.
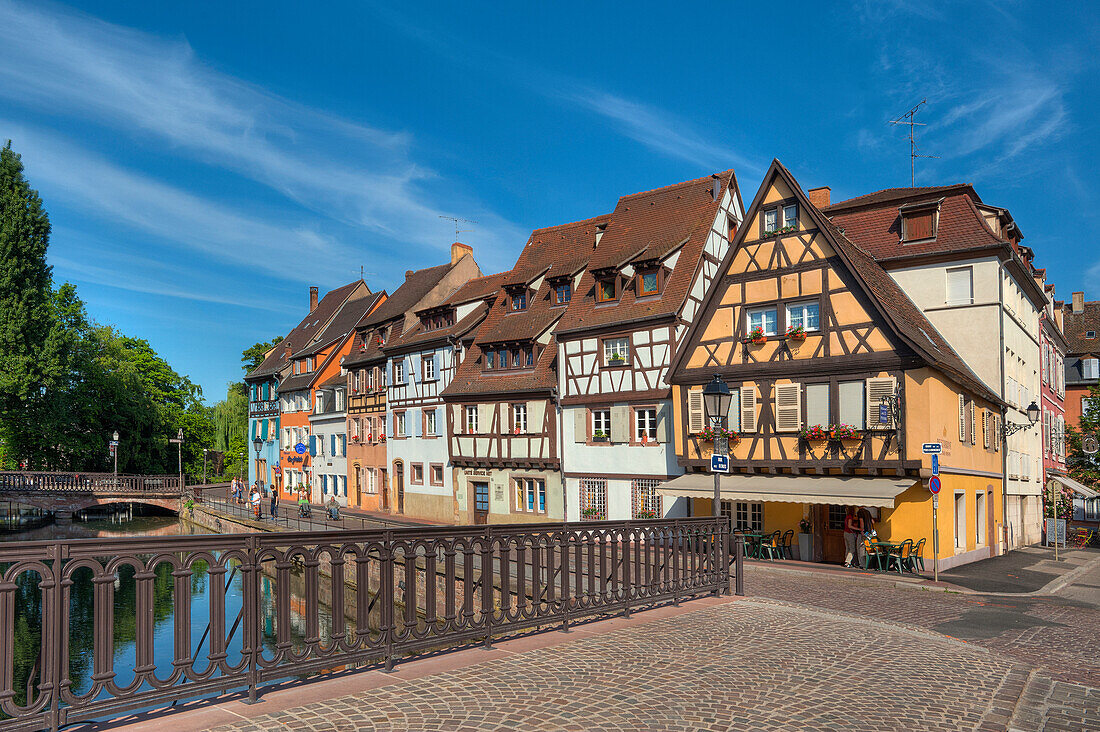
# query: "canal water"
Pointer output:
{"type": "Point", "coordinates": [132, 520]}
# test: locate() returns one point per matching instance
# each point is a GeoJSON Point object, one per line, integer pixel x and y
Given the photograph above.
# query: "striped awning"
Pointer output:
{"type": "Point", "coordinates": [838, 490]}
{"type": "Point", "coordinates": [1079, 488]}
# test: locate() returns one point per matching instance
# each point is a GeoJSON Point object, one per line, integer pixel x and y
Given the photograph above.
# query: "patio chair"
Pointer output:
{"type": "Point", "coordinates": [900, 555]}
{"type": "Point", "coordinates": [769, 547]}
{"type": "Point", "coordinates": [871, 552]}
{"type": "Point", "coordinates": [916, 557]}
{"type": "Point", "coordinates": [788, 550]}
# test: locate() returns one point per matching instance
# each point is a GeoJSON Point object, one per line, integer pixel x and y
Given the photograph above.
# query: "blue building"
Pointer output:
{"type": "Point", "coordinates": [263, 423]}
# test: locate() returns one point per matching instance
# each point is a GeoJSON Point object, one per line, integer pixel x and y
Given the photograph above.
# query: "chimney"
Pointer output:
{"type": "Point", "coordinates": [312, 299]}
{"type": "Point", "coordinates": [1078, 303]}
{"type": "Point", "coordinates": [819, 196]}
{"type": "Point", "coordinates": [716, 189]}
{"type": "Point", "coordinates": [458, 251]}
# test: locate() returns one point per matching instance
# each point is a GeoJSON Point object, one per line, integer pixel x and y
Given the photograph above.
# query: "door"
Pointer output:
{"type": "Point", "coordinates": [384, 488]}
{"type": "Point", "coordinates": [481, 502]}
{"type": "Point", "coordinates": [399, 485]}
{"type": "Point", "coordinates": [358, 486]}
{"type": "Point", "coordinates": [990, 523]}
{"type": "Point", "coordinates": [832, 539]}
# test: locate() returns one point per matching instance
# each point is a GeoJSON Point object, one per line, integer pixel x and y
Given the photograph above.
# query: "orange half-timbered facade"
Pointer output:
{"type": "Point", "coordinates": [837, 380]}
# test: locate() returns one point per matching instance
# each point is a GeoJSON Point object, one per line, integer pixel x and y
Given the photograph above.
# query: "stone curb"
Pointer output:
{"type": "Point", "coordinates": [1049, 588]}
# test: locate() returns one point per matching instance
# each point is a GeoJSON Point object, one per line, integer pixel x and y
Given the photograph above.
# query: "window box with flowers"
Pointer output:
{"type": "Point", "coordinates": [844, 432]}
{"type": "Point", "coordinates": [709, 433]}
{"type": "Point", "coordinates": [616, 359]}
{"type": "Point", "coordinates": [600, 436]}
{"type": "Point", "coordinates": [781, 230]}
{"type": "Point", "coordinates": [757, 336]}
{"type": "Point", "coordinates": [645, 513]}
{"type": "Point", "coordinates": [796, 333]}
{"type": "Point", "coordinates": [816, 433]}
{"type": "Point", "coordinates": [592, 514]}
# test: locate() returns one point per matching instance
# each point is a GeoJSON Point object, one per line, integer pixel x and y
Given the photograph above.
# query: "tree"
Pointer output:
{"type": "Point", "coordinates": [255, 354]}
{"type": "Point", "coordinates": [1084, 468]}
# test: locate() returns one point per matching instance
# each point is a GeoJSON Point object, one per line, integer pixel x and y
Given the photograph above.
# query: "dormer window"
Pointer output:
{"type": "Point", "coordinates": [490, 360]}
{"type": "Point", "coordinates": [563, 293]}
{"type": "Point", "coordinates": [918, 223]}
{"type": "Point", "coordinates": [606, 290]}
{"type": "Point", "coordinates": [649, 283]}
{"type": "Point", "coordinates": [1090, 335]}
{"type": "Point", "coordinates": [503, 359]}
{"type": "Point", "coordinates": [435, 321]}
{"type": "Point", "coordinates": [519, 300]}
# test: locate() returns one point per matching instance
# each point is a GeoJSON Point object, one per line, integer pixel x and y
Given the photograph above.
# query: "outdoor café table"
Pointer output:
{"type": "Point", "coordinates": [884, 549]}
{"type": "Point", "coordinates": [752, 541]}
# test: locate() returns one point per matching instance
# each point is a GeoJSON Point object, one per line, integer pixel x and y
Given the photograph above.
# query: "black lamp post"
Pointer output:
{"type": "Point", "coordinates": [257, 444]}
{"type": "Point", "coordinates": [716, 405]}
{"type": "Point", "coordinates": [114, 438]}
{"type": "Point", "coordinates": [204, 452]}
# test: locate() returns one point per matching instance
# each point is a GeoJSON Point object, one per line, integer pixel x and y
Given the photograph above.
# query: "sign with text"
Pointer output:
{"type": "Point", "coordinates": [931, 448]}
{"type": "Point", "coordinates": [1056, 531]}
{"type": "Point", "coordinates": [935, 465]}
{"type": "Point", "coordinates": [719, 463]}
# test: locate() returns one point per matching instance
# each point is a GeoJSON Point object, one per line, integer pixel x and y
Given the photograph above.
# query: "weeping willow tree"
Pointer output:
{"type": "Point", "coordinates": [230, 417]}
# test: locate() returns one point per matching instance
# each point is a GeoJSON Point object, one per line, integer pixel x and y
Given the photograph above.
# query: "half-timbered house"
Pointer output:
{"type": "Point", "coordinates": [837, 381]}
{"type": "Point", "coordinates": [650, 264]}
{"type": "Point", "coordinates": [502, 418]}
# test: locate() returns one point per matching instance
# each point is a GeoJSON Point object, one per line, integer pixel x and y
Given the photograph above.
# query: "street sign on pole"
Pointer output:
{"type": "Point", "coordinates": [719, 463]}
{"type": "Point", "coordinates": [934, 484]}
{"type": "Point", "coordinates": [935, 464]}
{"type": "Point", "coordinates": [931, 448]}
{"type": "Point", "coordinates": [935, 530]}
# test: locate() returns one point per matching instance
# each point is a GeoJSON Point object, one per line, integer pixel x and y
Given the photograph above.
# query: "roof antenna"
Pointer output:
{"type": "Point", "coordinates": [907, 119]}
{"type": "Point", "coordinates": [457, 221]}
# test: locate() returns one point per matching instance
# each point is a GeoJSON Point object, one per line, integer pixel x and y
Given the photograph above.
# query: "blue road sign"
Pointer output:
{"type": "Point", "coordinates": [934, 484]}
{"type": "Point", "coordinates": [719, 463]}
{"type": "Point", "coordinates": [931, 448]}
{"type": "Point", "coordinates": [935, 464]}
{"type": "Point", "coordinates": [884, 413]}
{"type": "Point", "coordinates": [300, 448]}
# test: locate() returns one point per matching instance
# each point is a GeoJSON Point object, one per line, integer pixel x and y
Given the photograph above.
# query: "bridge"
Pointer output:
{"type": "Point", "coordinates": [63, 494]}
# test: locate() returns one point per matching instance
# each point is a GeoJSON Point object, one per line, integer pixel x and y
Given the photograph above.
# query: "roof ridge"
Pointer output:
{"type": "Point", "coordinates": [571, 223]}
{"type": "Point", "coordinates": [721, 174]}
{"type": "Point", "coordinates": [914, 190]}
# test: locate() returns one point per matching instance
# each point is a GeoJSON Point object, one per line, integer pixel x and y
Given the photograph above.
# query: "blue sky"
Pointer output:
{"type": "Point", "coordinates": [205, 162]}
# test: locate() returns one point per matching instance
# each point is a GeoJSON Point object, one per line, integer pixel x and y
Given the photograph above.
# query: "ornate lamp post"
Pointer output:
{"type": "Point", "coordinates": [114, 451]}
{"type": "Point", "coordinates": [204, 451]}
{"type": "Point", "coordinates": [240, 468]}
{"type": "Point", "coordinates": [716, 404]}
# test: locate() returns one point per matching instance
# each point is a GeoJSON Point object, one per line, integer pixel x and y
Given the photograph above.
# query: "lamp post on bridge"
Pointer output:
{"type": "Point", "coordinates": [178, 439]}
{"type": "Point", "coordinates": [114, 453]}
{"type": "Point", "coordinates": [204, 451]}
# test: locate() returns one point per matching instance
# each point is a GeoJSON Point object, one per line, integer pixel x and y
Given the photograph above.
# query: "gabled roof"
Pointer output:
{"type": "Point", "coordinates": [417, 284]}
{"type": "Point", "coordinates": [906, 320]}
{"type": "Point", "coordinates": [890, 195]}
{"type": "Point", "coordinates": [306, 331]}
{"type": "Point", "coordinates": [649, 226]}
{"type": "Point", "coordinates": [417, 337]}
{"type": "Point", "coordinates": [1075, 326]}
{"type": "Point", "coordinates": [353, 311]}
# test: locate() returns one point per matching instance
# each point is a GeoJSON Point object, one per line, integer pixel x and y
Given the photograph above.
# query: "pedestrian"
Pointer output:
{"type": "Point", "coordinates": [255, 499]}
{"type": "Point", "coordinates": [853, 535]}
{"type": "Point", "coordinates": [303, 504]}
{"type": "Point", "coordinates": [274, 505]}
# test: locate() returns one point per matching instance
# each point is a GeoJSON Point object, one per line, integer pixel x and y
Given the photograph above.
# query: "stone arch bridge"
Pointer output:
{"type": "Point", "coordinates": [63, 494]}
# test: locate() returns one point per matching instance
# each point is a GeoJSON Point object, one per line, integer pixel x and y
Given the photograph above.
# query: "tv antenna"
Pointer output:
{"type": "Point", "coordinates": [362, 274]}
{"type": "Point", "coordinates": [458, 221]}
{"type": "Point", "coordinates": [907, 119]}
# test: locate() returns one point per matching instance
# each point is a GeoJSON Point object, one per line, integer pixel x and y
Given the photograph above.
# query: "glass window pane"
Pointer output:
{"type": "Point", "coordinates": [790, 215]}
{"type": "Point", "coordinates": [770, 217]}
{"type": "Point", "coordinates": [811, 316]}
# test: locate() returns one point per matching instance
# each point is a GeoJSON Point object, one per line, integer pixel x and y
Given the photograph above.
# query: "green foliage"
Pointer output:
{"type": "Point", "coordinates": [1085, 468]}
{"type": "Point", "coordinates": [254, 355]}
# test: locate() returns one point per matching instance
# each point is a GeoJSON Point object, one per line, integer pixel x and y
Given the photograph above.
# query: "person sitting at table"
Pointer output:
{"type": "Point", "coordinates": [853, 535]}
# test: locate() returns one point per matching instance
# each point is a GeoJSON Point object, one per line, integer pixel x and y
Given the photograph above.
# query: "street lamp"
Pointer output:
{"type": "Point", "coordinates": [716, 404]}
{"type": "Point", "coordinates": [114, 451]}
{"type": "Point", "coordinates": [257, 444]}
{"type": "Point", "coordinates": [240, 468]}
{"type": "Point", "coordinates": [179, 454]}
{"type": "Point", "coordinates": [1007, 430]}
{"type": "Point", "coordinates": [204, 451]}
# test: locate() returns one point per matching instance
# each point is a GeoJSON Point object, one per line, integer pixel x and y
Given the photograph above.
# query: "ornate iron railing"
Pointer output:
{"type": "Point", "coordinates": [281, 605]}
{"type": "Point", "coordinates": [22, 482]}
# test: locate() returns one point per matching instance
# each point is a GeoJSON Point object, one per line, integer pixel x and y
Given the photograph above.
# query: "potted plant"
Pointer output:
{"type": "Point", "coordinates": [709, 433]}
{"type": "Point", "coordinates": [805, 540]}
{"type": "Point", "coordinates": [599, 436]}
{"type": "Point", "coordinates": [816, 433]}
{"type": "Point", "coordinates": [796, 333]}
{"type": "Point", "coordinates": [844, 432]}
{"type": "Point", "coordinates": [591, 514]}
{"type": "Point", "coordinates": [646, 514]}
{"type": "Point", "coordinates": [617, 359]}
{"type": "Point", "coordinates": [757, 336]}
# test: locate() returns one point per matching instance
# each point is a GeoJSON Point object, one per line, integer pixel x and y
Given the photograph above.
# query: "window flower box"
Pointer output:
{"type": "Point", "coordinates": [816, 433]}
{"type": "Point", "coordinates": [844, 432]}
{"type": "Point", "coordinates": [646, 514]}
{"type": "Point", "coordinates": [592, 514]}
{"type": "Point", "coordinates": [709, 433]}
{"type": "Point", "coordinates": [796, 333]}
{"type": "Point", "coordinates": [600, 436]}
{"type": "Point", "coordinates": [757, 336]}
{"type": "Point", "coordinates": [617, 359]}
{"type": "Point", "coordinates": [781, 230]}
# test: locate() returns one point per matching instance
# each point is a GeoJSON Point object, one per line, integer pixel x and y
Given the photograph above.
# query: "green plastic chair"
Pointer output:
{"type": "Point", "coordinates": [769, 546]}
{"type": "Point", "coordinates": [870, 552]}
{"type": "Point", "coordinates": [900, 556]}
{"type": "Point", "coordinates": [916, 557]}
{"type": "Point", "coordinates": [788, 550]}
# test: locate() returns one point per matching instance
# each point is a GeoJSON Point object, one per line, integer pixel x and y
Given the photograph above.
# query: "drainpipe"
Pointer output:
{"type": "Point", "coordinates": [1004, 410]}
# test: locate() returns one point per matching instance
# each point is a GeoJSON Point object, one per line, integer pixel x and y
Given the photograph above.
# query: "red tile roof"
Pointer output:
{"type": "Point", "coordinates": [889, 195]}
{"type": "Point", "coordinates": [1075, 326]}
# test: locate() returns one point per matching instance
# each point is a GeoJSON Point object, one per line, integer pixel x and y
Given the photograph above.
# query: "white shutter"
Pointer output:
{"type": "Point", "coordinates": [696, 418]}
{"type": "Point", "coordinates": [748, 407]}
{"type": "Point", "coordinates": [985, 429]}
{"type": "Point", "coordinates": [788, 407]}
{"type": "Point", "coordinates": [973, 425]}
{"type": "Point", "coordinates": [733, 418]}
{"type": "Point", "coordinates": [620, 423]}
{"type": "Point", "coordinates": [996, 433]}
{"type": "Point", "coordinates": [580, 425]}
{"type": "Point", "coordinates": [962, 418]}
{"type": "Point", "coordinates": [959, 286]}
{"type": "Point", "coordinates": [662, 423]}
{"type": "Point", "coordinates": [877, 388]}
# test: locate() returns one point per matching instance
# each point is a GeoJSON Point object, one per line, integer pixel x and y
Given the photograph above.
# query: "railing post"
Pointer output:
{"type": "Point", "coordinates": [487, 586]}
{"type": "Point", "coordinates": [624, 577]}
{"type": "Point", "coordinates": [565, 574]}
{"type": "Point", "coordinates": [387, 597]}
{"type": "Point", "coordinates": [739, 566]}
{"type": "Point", "coordinates": [252, 617]}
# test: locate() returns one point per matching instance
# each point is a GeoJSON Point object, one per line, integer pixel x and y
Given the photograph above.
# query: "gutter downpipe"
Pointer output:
{"type": "Point", "coordinates": [1004, 409]}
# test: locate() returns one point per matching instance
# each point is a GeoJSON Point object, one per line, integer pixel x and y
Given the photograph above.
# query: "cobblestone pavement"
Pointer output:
{"type": "Point", "coordinates": [746, 665]}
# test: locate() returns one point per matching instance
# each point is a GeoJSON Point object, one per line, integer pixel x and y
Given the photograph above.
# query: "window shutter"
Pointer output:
{"type": "Point", "coordinates": [877, 388]}
{"type": "Point", "coordinates": [485, 418]}
{"type": "Point", "coordinates": [748, 407]}
{"type": "Point", "coordinates": [973, 425]}
{"type": "Point", "coordinates": [662, 423]}
{"type": "Point", "coordinates": [696, 418]}
{"type": "Point", "coordinates": [788, 407]}
{"type": "Point", "coordinates": [620, 423]}
{"type": "Point", "coordinates": [733, 419]}
{"type": "Point", "coordinates": [962, 418]}
{"type": "Point", "coordinates": [817, 405]}
{"type": "Point", "coordinates": [959, 287]}
{"type": "Point", "coordinates": [985, 430]}
{"type": "Point", "coordinates": [580, 425]}
{"type": "Point", "coordinates": [996, 433]}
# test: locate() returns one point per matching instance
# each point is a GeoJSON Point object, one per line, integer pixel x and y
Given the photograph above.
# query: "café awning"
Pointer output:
{"type": "Point", "coordinates": [1079, 488]}
{"type": "Point", "coordinates": [838, 490]}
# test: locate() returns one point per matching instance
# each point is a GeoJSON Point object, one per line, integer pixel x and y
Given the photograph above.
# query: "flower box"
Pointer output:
{"type": "Point", "coordinates": [781, 230]}
{"type": "Point", "coordinates": [757, 336]}
{"type": "Point", "coordinates": [844, 432]}
{"type": "Point", "coordinates": [592, 514]}
{"type": "Point", "coordinates": [617, 360]}
{"type": "Point", "coordinates": [796, 333]}
{"type": "Point", "coordinates": [600, 436]}
{"type": "Point", "coordinates": [709, 433]}
{"type": "Point", "coordinates": [816, 433]}
{"type": "Point", "coordinates": [646, 515]}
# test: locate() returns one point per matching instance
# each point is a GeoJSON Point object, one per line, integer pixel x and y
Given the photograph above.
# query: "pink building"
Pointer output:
{"type": "Point", "coordinates": [1052, 351]}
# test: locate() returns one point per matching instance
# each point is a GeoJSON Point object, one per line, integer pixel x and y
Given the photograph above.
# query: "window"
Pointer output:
{"type": "Point", "coordinates": [530, 495]}
{"type": "Point", "coordinates": [519, 419]}
{"type": "Point", "coordinates": [529, 357]}
{"type": "Point", "coordinates": [490, 360]}
{"type": "Point", "coordinates": [372, 481]}
{"type": "Point", "coordinates": [605, 290]}
{"type": "Point", "coordinates": [853, 404]}
{"type": "Point", "coordinates": [437, 474]}
{"type": "Point", "coordinates": [563, 293]}
{"type": "Point", "coordinates": [790, 215]}
{"type": "Point", "coordinates": [601, 423]}
{"type": "Point", "coordinates": [593, 499]}
{"type": "Point", "coordinates": [1090, 334]}
{"type": "Point", "coordinates": [515, 358]}
{"type": "Point", "coordinates": [645, 499]}
{"type": "Point", "coordinates": [817, 405]}
{"type": "Point", "coordinates": [1084, 406]}
{"type": "Point", "coordinates": [645, 425]}
{"type": "Point", "coordinates": [960, 286]}
{"type": "Point", "coordinates": [648, 283]}
{"type": "Point", "coordinates": [430, 422]}
{"type": "Point", "coordinates": [399, 372]}
{"type": "Point", "coordinates": [771, 219]}
{"type": "Point", "coordinates": [803, 314]}
{"type": "Point", "coordinates": [399, 424]}
{"type": "Point", "coordinates": [416, 473]}
{"type": "Point", "coordinates": [616, 351]}
{"type": "Point", "coordinates": [836, 517]}
{"type": "Point", "coordinates": [471, 420]}
{"type": "Point", "coordinates": [1090, 368]}
{"type": "Point", "coordinates": [748, 516]}
{"type": "Point", "coordinates": [918, 225]}
{"type": "Point", "coordinates": [960, 520]}
{"type": "Point", "coordinates": [763, 318]}
{"type": "Point", "coordinates": [428, 364]}
{"type": "Point", "coordinates": [519, 300]}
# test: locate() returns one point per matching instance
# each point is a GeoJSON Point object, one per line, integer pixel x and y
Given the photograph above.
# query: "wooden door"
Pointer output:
{"type": "Point", "coordinates": [990, 523]}
{"type": "Point", "coordinates": [832, 539]}
{"type": "Point", "coordinates": [358, 486]}
{"type": "Point", "coordinates": [481, 502]}
{"type": "Point", "coordinates": [384, 488]}
{"type": "Point", "coordinates": [399, 485]}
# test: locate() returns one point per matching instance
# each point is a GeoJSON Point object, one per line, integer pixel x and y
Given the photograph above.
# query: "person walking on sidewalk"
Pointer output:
{"type": "Point", "coordinates": [274, 505]}
{"type": "Point", "coordinates": [853, 535]}
{"type": "Point", "coordinates": [255, 500]}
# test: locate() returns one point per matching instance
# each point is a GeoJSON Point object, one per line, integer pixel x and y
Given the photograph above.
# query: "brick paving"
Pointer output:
{"type": "Point", "coordinates": [751, 664]}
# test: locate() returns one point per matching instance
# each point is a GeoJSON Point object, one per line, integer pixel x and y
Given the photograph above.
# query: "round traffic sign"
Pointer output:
{"type": "Point", "coordinates": [300, 448]}
{"type": "Point", "coordinates": [934, 484]}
